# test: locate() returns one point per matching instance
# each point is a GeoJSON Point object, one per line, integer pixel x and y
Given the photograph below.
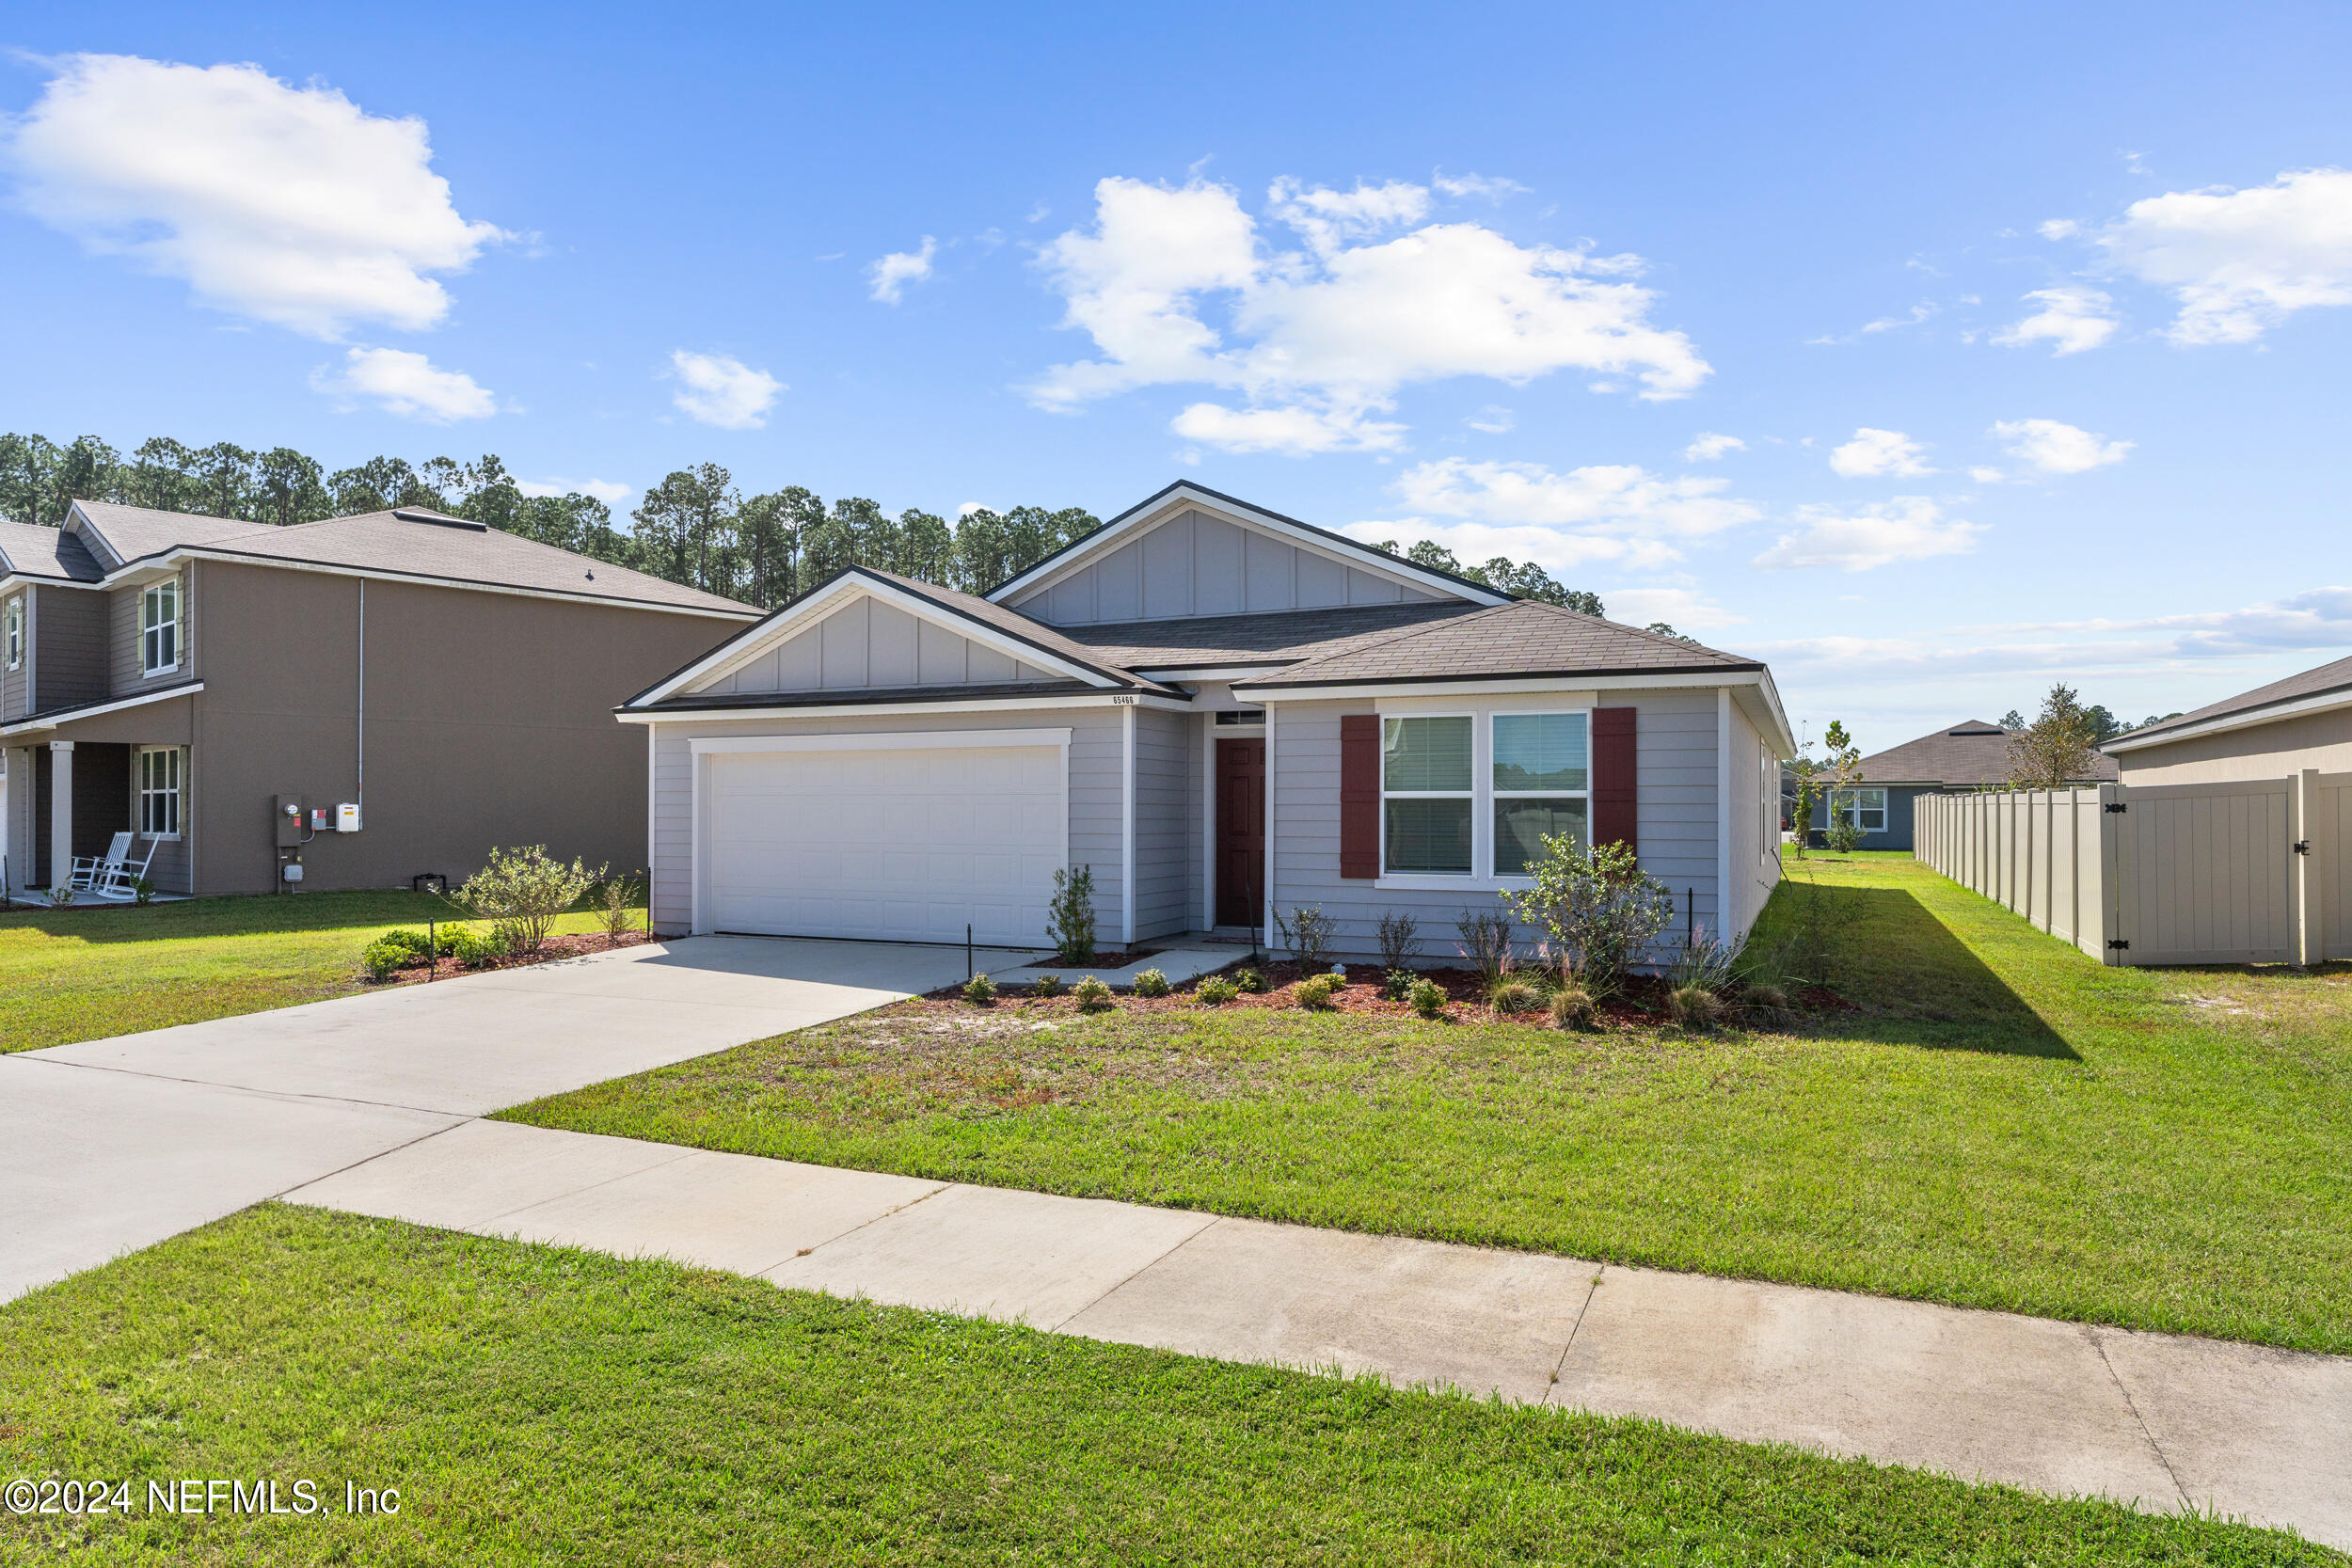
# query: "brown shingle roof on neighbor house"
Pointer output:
{"type": "Point", "coordinates": [1969, 754]}
{"type": "Point", "coordinates": [1527, 638]}
{"type": "Point", "coordinates": [45, 552]}
{"type": "Point", "coordinates": [1270, 637]}
{"type": "Point", "coordinates": [407, 541]}
{"type": "Point", "coordinates": [2311, 683]}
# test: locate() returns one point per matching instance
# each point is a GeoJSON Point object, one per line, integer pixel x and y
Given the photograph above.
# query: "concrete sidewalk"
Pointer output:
{"type": "Point", "coordinates": [2159, 1421]}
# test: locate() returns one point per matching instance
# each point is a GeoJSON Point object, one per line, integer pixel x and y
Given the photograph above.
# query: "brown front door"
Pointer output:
{"type": "Point", "coordinates": [1240, 831]}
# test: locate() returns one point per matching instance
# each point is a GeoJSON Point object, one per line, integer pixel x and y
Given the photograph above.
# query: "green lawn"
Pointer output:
{"type": "Point", "coordinates": [537, 1405]}
{"type": "Point", "coordinates": [84, 973]}
{"type": "Point", "coordinates": [2003, 1124]}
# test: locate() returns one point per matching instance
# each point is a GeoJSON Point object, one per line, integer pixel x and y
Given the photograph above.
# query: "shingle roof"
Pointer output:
{"type": "Point", "coordinates": [1286, 635]}
{"type": "Point", "coordinates": [45, 552]}
{"type": "Point", "coordinates": [1525, 637]}
{"type": "Point", "coordinates": [2336, 676]}
{"type": "Point", "coordinates": [1972, 753]}
{"type": "Point", "coordinates": [408, 541]}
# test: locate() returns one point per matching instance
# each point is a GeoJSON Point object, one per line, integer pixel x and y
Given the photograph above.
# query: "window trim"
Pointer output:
{"type": "Point", "coordinates": [175, 793]}
{"type": "Point", "coordinates": [13, 614]}
{"type": "Point", "coordinates": [1847, 805]}
{"type": "Point", "coordinates": [1430, 879]}
{"type": "Point", "coordinates": [148, 596]}
{"type": "Point", "coordinates": [1480, 877]}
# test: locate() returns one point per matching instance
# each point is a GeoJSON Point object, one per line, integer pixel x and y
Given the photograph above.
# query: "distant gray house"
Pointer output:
{"type": "Point", "coordinates": [188, 679]}
{"type": "Point", "coordinates": [1970, 755]}
{"type": "Point", "coordinates": [1221, 712]}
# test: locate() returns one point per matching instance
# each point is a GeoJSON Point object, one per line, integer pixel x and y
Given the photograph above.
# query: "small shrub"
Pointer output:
{"type": "Point", "coordinates": [979, 991]}
{"type": "Point", "coordinates": [381, 958]}
{"type": "Point", "coordinates": [1152, 982]}
{"type": "Point", "coordinates": [1307, 934]}
{"type": "Point", "coordinates": [1572, 1008]}
{"type": "Point", "coordinates": [1428, 998]}
{"type": "Point", "coordinates": [1397, 985]}
{"type": "Point", "coordinates": [1598, 908]}
{"type": "Point", "coordinates": [1092, 994]}
{"type": "Point", "coordinates": [62, 895]}
{"type": "Point", "coordinates": [522, 893]}
{"type": "Point", "coordinates": [1695, 1007]}
{"type": "Point", "coordinates": [407, 938]}
{"type": "Point", "coordinates": [143, 890]}
{"type": "Point", "coordinates": [1315, 992]}
{"type": "Point", "coordinates": [1046, 987]}
{"type": "Point", "coordinates": [1486, 943]}
{"type": "Point", "coordinates": [1215, 991]}
{"type": "Point", "coordinates": [477, 949]}
{"type": "Point", "coordinates": [1400, 940]}
{"type": "Point", "coordinates": [1070, 915]}
{"type": "Point", "coordinates": [615, 903]}
{"type": "Point", "coordinates": [1514, 996]}
{"type": "Point", "coordinates": [1251, 980]}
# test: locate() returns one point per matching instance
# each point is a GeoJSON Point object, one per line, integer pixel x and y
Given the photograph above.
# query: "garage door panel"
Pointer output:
{"type": "Point", "coordinates": [907, 845]}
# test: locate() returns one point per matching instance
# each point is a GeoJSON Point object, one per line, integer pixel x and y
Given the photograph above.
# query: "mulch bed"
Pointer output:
{"type": "Point", "coordinates": [570, 945]}
{"type": "Point", "coordinates": [1641, 1005]}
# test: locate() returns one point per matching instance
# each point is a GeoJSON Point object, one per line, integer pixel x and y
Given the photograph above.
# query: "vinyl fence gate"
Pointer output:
{"type": "Point", "coordinates": [2257, 872]}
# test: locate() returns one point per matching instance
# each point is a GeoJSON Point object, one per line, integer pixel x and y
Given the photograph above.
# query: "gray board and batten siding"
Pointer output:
{"type": "Point", "coordinates": [868, 644]}
{"type": "Point", "coordinates": [1194, 564]}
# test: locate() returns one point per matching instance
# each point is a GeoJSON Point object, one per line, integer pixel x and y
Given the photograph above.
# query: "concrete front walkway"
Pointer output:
{"type": "Point", "coordinates": [115, 1144]}
{"type": "Point", "coordinates": [2156, 1420]}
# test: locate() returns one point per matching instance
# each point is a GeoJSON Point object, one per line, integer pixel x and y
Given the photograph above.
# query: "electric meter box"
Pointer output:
{"type": "Point", "coordinates": [347, 818]}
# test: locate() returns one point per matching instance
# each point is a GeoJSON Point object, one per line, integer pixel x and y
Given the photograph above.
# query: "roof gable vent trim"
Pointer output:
{"type": "Point", "coordinates": [413, 515]}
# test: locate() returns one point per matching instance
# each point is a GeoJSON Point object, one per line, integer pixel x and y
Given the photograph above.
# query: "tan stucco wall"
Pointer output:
{"type": "Point", "coordinates": [2321, 741]}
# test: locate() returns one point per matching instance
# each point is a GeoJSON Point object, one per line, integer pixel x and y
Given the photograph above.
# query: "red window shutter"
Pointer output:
{"type": "Point", "coordinates": [1359, 795]}
{"type": "Point", "coordinates": [1615, 777]}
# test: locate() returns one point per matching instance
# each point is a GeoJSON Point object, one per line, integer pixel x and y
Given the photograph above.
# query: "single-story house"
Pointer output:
{"type": "Point", "coordinates": [2302, 721]}
{"type": "Point", "coordinates": [350, 703]}
{"type": "Point", "coordinates": [1969, 755]}
{"type": "Point", "coordinates": [1223, 714]}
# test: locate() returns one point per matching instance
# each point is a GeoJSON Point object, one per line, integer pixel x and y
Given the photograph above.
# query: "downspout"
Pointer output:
{"type": "Point", "coordinates": [360, 794]}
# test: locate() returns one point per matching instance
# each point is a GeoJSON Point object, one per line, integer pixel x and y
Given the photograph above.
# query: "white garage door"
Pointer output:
{"type": "Point", "coordinates": [902, 845]}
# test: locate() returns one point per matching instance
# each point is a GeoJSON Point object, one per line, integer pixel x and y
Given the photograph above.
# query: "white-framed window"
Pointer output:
{"type": "Point", "coordinates": [12, 630]}
{"type": "Point", "coordinates": [159, 791]}
{"type": "Point", "coordinates": [1865, 808]}
{"type": "Point", "coordinates": [1428, 802]}
{"type": "Point", "coordinates": [159, 628]}
{"type": "Point", "coordinates": [1542, 786]}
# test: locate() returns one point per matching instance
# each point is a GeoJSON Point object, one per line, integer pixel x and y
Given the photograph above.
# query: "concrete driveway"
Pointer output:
{"type": "Point", "coordinates": [113, 1145]}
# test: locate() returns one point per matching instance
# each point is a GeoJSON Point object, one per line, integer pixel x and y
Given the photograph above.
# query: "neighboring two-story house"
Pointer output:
{"type": "Point", "coordinates": [189, 678]}
{"type": "Point", "coordinates": [1223, 714]}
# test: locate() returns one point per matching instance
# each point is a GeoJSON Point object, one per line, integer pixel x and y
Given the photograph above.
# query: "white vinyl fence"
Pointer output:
{"type": "Point", "coordinates": [2258, 872]}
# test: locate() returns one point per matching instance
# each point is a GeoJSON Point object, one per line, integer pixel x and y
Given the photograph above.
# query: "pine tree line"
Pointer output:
{"type": "Point", "coordinates": [695, 528]}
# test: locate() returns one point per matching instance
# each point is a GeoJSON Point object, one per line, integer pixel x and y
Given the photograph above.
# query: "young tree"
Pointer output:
{"type": "Point", "coordinates": [1842, 762]}
{"type": "Point", "coordinates": [2056, 748]}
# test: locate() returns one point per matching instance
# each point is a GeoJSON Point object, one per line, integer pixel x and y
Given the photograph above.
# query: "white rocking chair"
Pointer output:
{"type": "Point", "coordinates": [121, 881]}
{"type": "Point", "coordinates": [88, 869]}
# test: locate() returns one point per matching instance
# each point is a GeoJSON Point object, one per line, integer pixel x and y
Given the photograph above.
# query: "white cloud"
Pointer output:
{"type": "Point", "coordinates": [1298, 430]}
{"type": "Point", "coordinates": [2060, 228]}
{"type": "Point", "coordinates": [969, 507]}
{"type": "Point", "coordinates": [719, 390]}
{"type": "Point", "coordinates": [1708, 446]}
{"type": "Point", "coordinates": [1876, 452]}
{"type": "Point", "coordinates": [2240, 261]}
{"type": "Point", "coordinates": [2056, 448]}
{"type": "Point", "coordinates": [1987, 476]}
{"type": "Point", "coordinates": [1336, 329]}
{"type": "Point", "coordinates": [602, 489]}
{"type": "Point", "coordinates": [887, 279]}
{"type": "Point", "coordinates": [1909, 528]}
{"type": "Point", "coordinates": [2072, 319]}
{"type": "Point", "coordinates": [1485, 187]}
{"type": "Point", "coordinates": [1556, 550]}
{"type": "Point", "coordinates": [1912, 317]}
{"type": "Point", "coordinates": [1684, 609]}
{"type": "Point", "coordinates": [1494, 419]}
{"type": "Point", "coordinates": [406, 383]}
{"type": "Point", "coordinates": [289, 205]}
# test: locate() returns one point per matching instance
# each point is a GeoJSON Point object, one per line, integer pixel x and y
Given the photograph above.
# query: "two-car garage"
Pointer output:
{"type": "Point", "coordinates": [895, 837]}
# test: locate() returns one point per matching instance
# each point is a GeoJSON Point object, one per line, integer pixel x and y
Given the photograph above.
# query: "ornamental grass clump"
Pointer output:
{"type": "Point", "coordinates": [1092, 994]}
{"type": "Point", "coordinates": [1514, 996]}
{"type": "Point", "coordinates": [1572, 1007]}
{"type": "Point", "coordinates": [1152, 982]}
{"type": "Point", "coordinates": [1045, 987]}
{"type": "Point", "coordinates": [979, 991]}
{"type": "Point", "coordinates": [1695, 1007]}
{"type": "Point", "coordinates": [1215, 991]}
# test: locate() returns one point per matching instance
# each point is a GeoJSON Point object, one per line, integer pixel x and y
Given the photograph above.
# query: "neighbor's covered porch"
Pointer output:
{"type": "Point", "coordinates": [69, 786]}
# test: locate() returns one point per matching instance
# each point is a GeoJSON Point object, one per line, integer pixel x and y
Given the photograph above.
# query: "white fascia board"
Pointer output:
{"type": "Point", "coordinates": [881, 740]}
{"type": "Point", "coordinates": [1705, 680]}
{"type": "Point", "coordinates": [732, 656]}
{"type": "Point", "coordinates": [1765, 696]}
{"type": "Point", "coordinates": [2324, 702]}
{"type": "Point", "coordinates": [12, 580]}
{"type": "Point", "coordinates": [155, 567]}
{"type": "Point", "coordinates": [851, 712]}
{"type": "Point", "coordinates": [1183, 497]}
{"type": "Point", "coordinates": [25, 727]}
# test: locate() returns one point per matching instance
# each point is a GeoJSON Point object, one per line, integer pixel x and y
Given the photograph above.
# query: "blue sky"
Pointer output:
{"type": "Point", "coordinates": [2022, 332]}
